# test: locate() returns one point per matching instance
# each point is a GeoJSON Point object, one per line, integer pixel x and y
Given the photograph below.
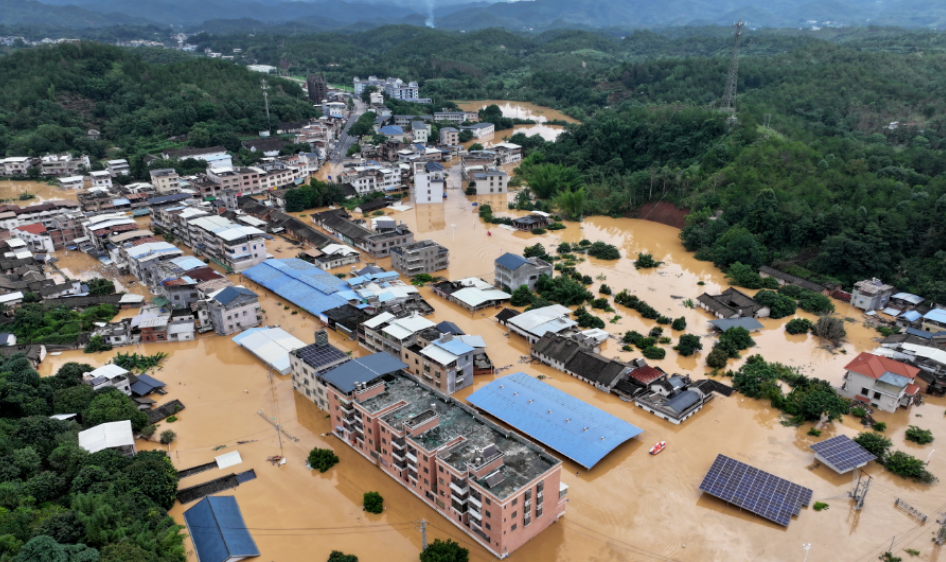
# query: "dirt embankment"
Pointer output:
{"type": "Point", "coordinates": [662, 212]}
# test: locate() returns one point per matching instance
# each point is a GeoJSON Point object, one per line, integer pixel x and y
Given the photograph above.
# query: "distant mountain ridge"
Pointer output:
{"type": "Point", "coordinates": [525, 15]}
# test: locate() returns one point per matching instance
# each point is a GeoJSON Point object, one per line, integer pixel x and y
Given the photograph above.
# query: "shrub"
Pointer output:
{"type": "Point", "coordinates": [601, 303]}
{"type": "Point", "coordinates": [322, 459]}
{"type": "Point", "coordinates": [717, 358]}
{"type": "Point", "coordinates": [644, 343]}
{"type": "Point", "coordinates": [814, 432]}
{"type": "Point", "coordinates": [679, 324]}
{"type": "Point", "coordinates": [97, 344]}
{"type": "Point", "coordinates": [538, 231]}
{"type": "Point", "coordinates": [858, 412]}
{"type": "Point", "coordinates": [587, 320]}
{"type": "Point", "coordinates": [604, 290]}
{"type": "Point", "coordinates": [522, 296]}
{"type": "Point", "coordinates": [654, 352]}
{"type": "Point", "coordinates": [735, 340]}
{"type": "Point", "coordinates": [921, 436]}
{"type": "Point", "coordinates": [603, 251]}
{"type": "Point", "coordinates": [373, 502]}
{"type": "Point", "coordinates": [664, 340]}
{"type": "Point", "coordinates": [338, 556]}
{"type": "Point", "coordinates": [656, 332]}
{"type": "Point", "coordinates": [148, 430]}
{"type": "Point", "coordinates": [564, 248]}
{"type": "Point", "coordinates": [816, 303]}
{"type": "Point", "coordinates": [585, 242]}
{"type": "Point", "coordinates": [646, 261]}
{"type": "Point", "coordinates": [556, 226]}
{"type": "Point", "coordinates": [471, 190]}
{"type": "Point", "coordinates": [632, 337]}
{"type": "Point", "coordinates": [171, 419]}
{"type": "Point", "coordinates": [780, 306]}
{"type": "Point", "coordinates": [663, 320]}
{"type": "Point", "coordinates": [908, 466]}
{"type": "Point", "coordinates": [688, 345]}
{"type": "Point", "coordinates": [820, 506]}
{"type": "Point", "coordinates": [877, 445]}
{"type": "Point", "coordinates": [880, 426]}
{"type": "Point", "coordinates": [830, 329]}
{"type": "Point", "coordinates": [167, 436]}
{"type": "Point", "coordinates": [586, 280]}
{"type": "Point", "coordinates": [798, 326]}
{"type": "Point", "coordinates": [445, 551]}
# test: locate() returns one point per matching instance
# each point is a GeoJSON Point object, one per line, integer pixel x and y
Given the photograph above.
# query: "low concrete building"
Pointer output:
{"type": "Point", "coordinates": [425, 256]}
{"type": "Point", "coordinates": [165, 180]}
{"type": "Point", "coordinates": [72, 183]}
{"type": "Point", "coordinates": [232, 310]}
{"type": "Point", "coordinates": [445, 363]}
{"type": "Point", "coordinates": [108, 376]}
{"type": "Point", "coordinates": [529, 223]}
{"type": "Point", "coordinates": [880, 381]}
{"type": "Point", "coordinates": [480, 130]}
{"type": "Point", "coordinates": [495, 181]}
{"type": "Point", "coordinates": [449, 136]}
{"type": "Point", "coordinates": [512, 271]}
{"type": "Point", "coordinates": [534, 324]}
{"type": "Point", "coordinates": [307, 363]}
{"type": "Point", "coordinates": [732, 303]}
{"type": "Point", "coordinates": [420, 131]}
{"type": "Point", "coordinates": [871, 294]}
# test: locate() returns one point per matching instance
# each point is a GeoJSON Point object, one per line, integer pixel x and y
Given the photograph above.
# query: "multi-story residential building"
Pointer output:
{"type": "Point", "coordinates": [233, 246]}
{"type": "Point", "coordinates": [307, 363]}
{"type": "Point", "coordinates": [109, 376]}
{"type": "Point", "coordinates": [71, 183]}
{"type": "Point", "coordinates": [12, 216]}
{"type": "Point", "coordinates": [231, 310]}
{"type": "Point", "coordinates": [512, 271]}
{"type": "Point", "coordinates": [495, 181]}
{"type": "Point", "coordinates": [118, 167]}
{"type": "Point", "coordinates": [450, 117]}
{"type": "Point", "coordinates": [36, 236]}
{"type": "Point", "coordinates": [480, 130]}
{"type": "Point", "coordinates": [403, 120]}
{"type": "Point", "coordinates": [378, 244]}
{"type": "Point", "coordinates": [419, 131]}
{"type": "Point", "coordinates": [449, 136]}
{"type": "Point", "coordinates": [101, 179]}
{"type": "Point", "coordinates": [499, 488]}
{"type": "Point", "coordinates": [429, 185]}
{"type": "Point", "coordinates": [368, 179]}
{"type": "Point", "coordinates": [16, 165]}
{"type": "Point", "coordinates": [138, 259]}
{"type": "Point", "coordinates": [101, 228]}
{"type": "Point", "coordinates": [64, 164]}
{"type": "Point", "coordinates": [445, 363]}
{"type": "Point", "coordinates": [871, 294]}
{"type": "Point", "coordinates": [425, 256]}
{"type": "Point", "coordinates": [507, 153]}
{"type": "Point", "coordinates": [370, 335]}
{"type": "Point", "coordinates": [165, 180]}
{"type": "Point", "coordinates": [881, 382]}
{"type": "Point", "coordinates": [397, 333]}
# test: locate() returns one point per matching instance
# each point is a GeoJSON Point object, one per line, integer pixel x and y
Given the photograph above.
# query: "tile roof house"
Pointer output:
{"type": "Point", "coordinates": [579, 359]}
{"type": "Point", "coordinates": [732, 303]}
{"type": "Point", "coordinates": [789, 279]}
{"type": "Point", "coordinates": [880, 381]}
{"type": "Point", "coordinates": [218, 531]}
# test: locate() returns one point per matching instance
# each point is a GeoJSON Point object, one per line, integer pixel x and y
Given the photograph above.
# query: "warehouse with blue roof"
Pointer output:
{"type": "Point", "coordinates": [574, 428]}
{"type": "Point", "coordinates": [301, 283]}
{"type": "Point", "coordinates": [218, 531]}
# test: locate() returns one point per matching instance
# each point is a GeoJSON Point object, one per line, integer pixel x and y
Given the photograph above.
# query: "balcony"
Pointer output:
{"type": "Point", "coordinates": [397, 443]}
{"type": "Point", "coordinates": [412, 475]}
{"type": "Point", "coordinates": [411, 458]}
{"type": "Point", "coordinates": [346, 407]}
{"type": "Point", "coordinates": [398, 455]}
{"type": "Point", "coordinates": [475, 503]}
{"type": "Point", "coordinates": [475, 517]}
{"type": "Point", "coordinates": [461, 488]}
{"type": "Point", "coordinates": [401, 465]}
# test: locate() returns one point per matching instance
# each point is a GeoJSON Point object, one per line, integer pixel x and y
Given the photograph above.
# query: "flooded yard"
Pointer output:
{"type": "Point", "coordinates": [521, 110]}
{"type": "Point", "coordinates": [631, 506]}
{"type": "Point", "coordinates": [42, 191]}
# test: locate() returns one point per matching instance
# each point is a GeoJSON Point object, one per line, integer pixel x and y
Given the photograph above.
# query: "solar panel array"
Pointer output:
{"type": "Point", "coordinates": [843, 453]}
{"type": "Point", "coordinates": [754, 490]}
{"type": "Point", "coordinates": [318, 356]}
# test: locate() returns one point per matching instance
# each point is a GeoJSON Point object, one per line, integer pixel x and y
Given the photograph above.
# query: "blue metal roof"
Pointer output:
{"type": "Point", "coordinates": [218, 531]}
{"type": "Point", "coordinates": [682, 401]}
{"type": "Point", "coordinates": [120, 201]}
{"type": "Point", "coordinates": [145, 385]}
{"type": "Point", "coordinates": [911, 316]}
{"type": "Point", "coordinates": [391, 130]}
{"type": "Point", "coordinates": [187, 262]}
{"type": "Point", "coordinates": [362, 369]}
{"type": "Point", "coordinates": [910, 298]}
{"type": "Point", "coordinates": [894, 379]}
{"type": "Point", "coordinates": [576, 429]}
{"type": "Point", "coordinates": [511, 261]}
{"type": "Point", "coordinates": [454, 346]}
{"type": "Point", "coordinates": [919, 333]}
{"type": "Point", "coordinates": [227, 295]}
{"type": "Point", "coordinates": [301, 283]}
{"type": "Point", "coordinates": [447, 327]}
{"type": "Point", "coordinates": [750, 324]}
{"type": "Point", "coordinates": [936, 315]}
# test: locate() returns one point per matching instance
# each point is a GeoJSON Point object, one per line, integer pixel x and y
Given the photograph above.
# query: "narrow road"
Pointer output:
{"type": "Point", "coordinates": [344, 141]}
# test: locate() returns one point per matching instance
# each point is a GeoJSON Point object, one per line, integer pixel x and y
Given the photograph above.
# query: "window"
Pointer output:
{"type": "Point", "coordinates": [488, 515]}
{"type": "Point", "coordinates": [426, 470]}
{"type": "Point", "coordinates": [865, 392]}
{"type": "Point", "coordinates": [876, 395]}
{"type": "Point", "coordinates": [514, 526]}
{"type": "Point", "coordinates": [488, 527]}
{"type": "Point", "coordinates": [515, 501]}
{"type": "Point", "coordinates": [488, 502]}
{"type": "Point", "coordinates": [441, 480]}
{"type": "Point", "coordinates": [514, 514]}
{"type": "Point", "coordinates": [441, 470]}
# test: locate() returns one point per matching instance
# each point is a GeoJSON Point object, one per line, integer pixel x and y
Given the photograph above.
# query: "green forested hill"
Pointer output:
{"type": "Point", "coordinates": [52, 95]}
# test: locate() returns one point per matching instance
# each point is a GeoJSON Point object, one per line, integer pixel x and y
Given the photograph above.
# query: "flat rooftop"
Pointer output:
{"type": "Point", "coordinates": [523, 461]}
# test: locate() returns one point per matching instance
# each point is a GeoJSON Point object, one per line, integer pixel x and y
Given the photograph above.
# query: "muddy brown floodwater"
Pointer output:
{"type": "Point", "coordinates": [43, 192]}
{"type": "Point", "coordinates": [521, 110]}
{"type": "Point", "coordinates": [631, 506]}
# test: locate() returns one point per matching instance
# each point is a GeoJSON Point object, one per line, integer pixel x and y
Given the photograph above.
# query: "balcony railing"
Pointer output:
{"type": "Point", "coordinates": [398, 455]}
{"type": "Point", "coordinates": [475, 517]}
{"type": "Point", "coordinates": [475, 502]}
{"type": "Point", "coordinates": [461, 488]}
{"type": "Point", "coordinates": [397, 443]}
{"type": "Point", "coordinates": [412, 458]}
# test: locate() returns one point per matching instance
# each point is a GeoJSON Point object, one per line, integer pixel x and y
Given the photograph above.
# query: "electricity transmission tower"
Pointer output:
{"type": "Point", "coordinates": [728, 103]}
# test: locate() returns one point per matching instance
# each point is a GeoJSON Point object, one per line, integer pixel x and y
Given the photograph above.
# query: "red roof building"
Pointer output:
{"type": "Point", "coordinates": [35, 228]}
{"type": "Point", "coordinates": [646, 375]}
{"type": "Point", "coordinates": [874, 366]}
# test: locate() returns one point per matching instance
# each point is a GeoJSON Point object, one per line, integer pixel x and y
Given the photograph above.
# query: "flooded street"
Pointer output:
{"type": "Point", "coordinates": [630, 507]}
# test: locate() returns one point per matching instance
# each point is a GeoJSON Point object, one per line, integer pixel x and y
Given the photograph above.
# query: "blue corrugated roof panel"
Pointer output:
{"type": "Point", "coordinates": [455, 347]}
{"type": "Point", "coordinates": [936, 315]}
{"type": "Point", "coordinates": [511, 261]}
{"type": "Point", "coordinates": [362, 369]}
{"type": "Point", "coordinates": [218, 531]}
{"type": "Point", "coordinates": [911, 316]}
{"type": "Point", "coordinates": [301, 283]}
{"type": "Point", "coordinates": [576, 429]}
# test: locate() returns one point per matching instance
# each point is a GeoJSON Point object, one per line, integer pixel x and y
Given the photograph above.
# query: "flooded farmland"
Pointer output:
{"type": "Point", "coordinates": [630, 507]}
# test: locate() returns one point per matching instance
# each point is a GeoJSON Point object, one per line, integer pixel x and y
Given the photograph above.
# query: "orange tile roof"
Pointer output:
{"type": "Point", "coordinates": [35, 228]}
{"type": "Point", "coordinates": [646, 374]}
{"type": "Point", "coordinates": [875, 366]}
{"type": "Point", "coordinates": [912, 389]}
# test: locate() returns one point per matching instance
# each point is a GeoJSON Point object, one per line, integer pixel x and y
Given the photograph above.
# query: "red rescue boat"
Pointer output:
{"type": "Point", "coordinates": [660, 446]}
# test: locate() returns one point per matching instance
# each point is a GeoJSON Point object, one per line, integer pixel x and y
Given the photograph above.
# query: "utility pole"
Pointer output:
{"type": "Point", "coordinates": [275, 411]}
{"type": "Point", "coordinates": [265, 87]}
{"type": "Point", "coordinates": [728, 103]}
{"type": "Point", "coordinates": [860, 493]}
{"type": "Point", "coordinates": [423, 533]}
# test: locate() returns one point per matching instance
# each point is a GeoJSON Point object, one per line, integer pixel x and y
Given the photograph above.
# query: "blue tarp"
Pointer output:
{"type": "Point", "coordinates": [301, 283]}
{"type": "Point", "coordinates": [542, 412]}
{"type": "Point", "coordinates": [218, 531]}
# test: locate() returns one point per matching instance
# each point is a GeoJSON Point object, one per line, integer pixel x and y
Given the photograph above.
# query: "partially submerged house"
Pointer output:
{"type": "Point", "coordinates": [880, 381]}
{"type": "Point", "coordinates": [216, 527]}
{"type": "Point", "coordinates": [732, 303]}
{"type": "Point", "coordinates": [871, 294]}
{"type": "Point", "coordinates": [578, 357]}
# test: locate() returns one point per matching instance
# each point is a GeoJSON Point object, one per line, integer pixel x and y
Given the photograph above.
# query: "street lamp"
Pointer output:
{"type": "Point", "coordinates": [807, 547]}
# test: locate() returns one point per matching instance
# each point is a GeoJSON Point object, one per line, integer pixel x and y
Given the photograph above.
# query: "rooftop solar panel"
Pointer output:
{"type": "Point", "coordinates": [842, 453]}
{"type": "Point", "coordinates": [754, 490]}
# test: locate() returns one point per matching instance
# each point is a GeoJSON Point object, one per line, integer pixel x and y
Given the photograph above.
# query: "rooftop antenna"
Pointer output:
{"type": "Point", "coordinates": [728, 103]}
{"type": "Point", "coordinates": [265, 87]}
